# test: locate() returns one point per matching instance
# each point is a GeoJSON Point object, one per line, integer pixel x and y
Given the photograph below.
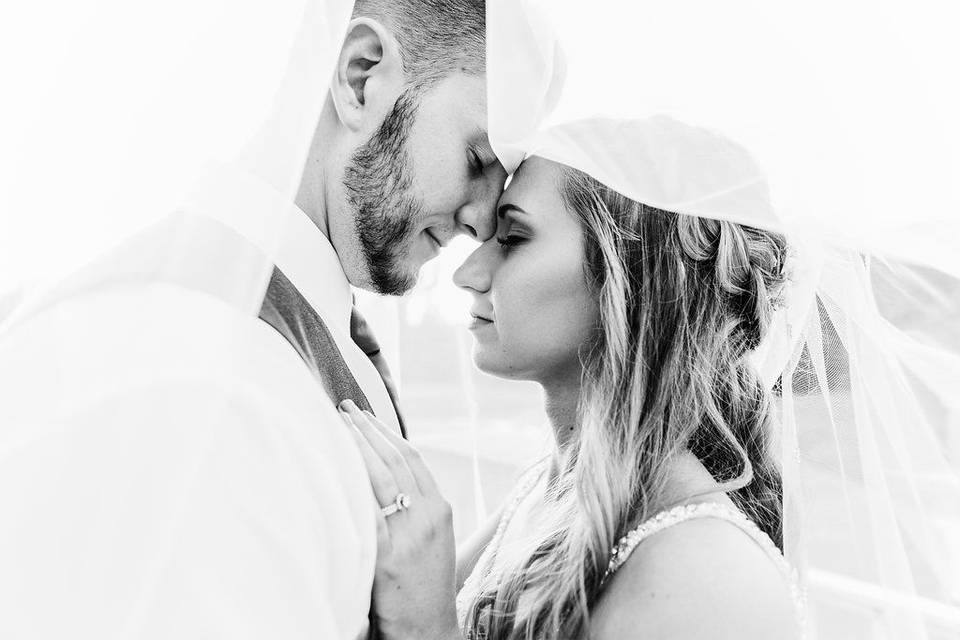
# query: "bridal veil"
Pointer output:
{"type": "Point", "coordinates": [833, 124]}
{"type": "Point", "coordinates": [164, 466]}
{"type": "Point", "coordinates": [119, 114]}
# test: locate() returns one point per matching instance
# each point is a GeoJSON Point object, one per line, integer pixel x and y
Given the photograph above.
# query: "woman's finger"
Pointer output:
{"type": "Point", "coordinates": [388, 453]}
{"type": "Point", "coordinates": [384, 540]}
{"type": "Point", "coordinates": [419, 469]}
{"type": "Point", "coordinates": [384, 485]}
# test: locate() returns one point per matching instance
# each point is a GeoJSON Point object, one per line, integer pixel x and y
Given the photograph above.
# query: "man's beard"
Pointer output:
{"type": "Point", "coordinates": [386, 214]}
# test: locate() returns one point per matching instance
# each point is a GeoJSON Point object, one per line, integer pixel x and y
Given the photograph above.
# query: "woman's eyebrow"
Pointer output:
{"type": "Point", "coordinates": [480, 141]}
{"type": "Point", "coordinates": [504, 208]}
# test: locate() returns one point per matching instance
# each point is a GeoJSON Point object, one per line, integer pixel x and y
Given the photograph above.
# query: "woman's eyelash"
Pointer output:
{"type": "Point", "coordinates": [510, 241]}
{"type": "Point", "coordinates": [476, 163]}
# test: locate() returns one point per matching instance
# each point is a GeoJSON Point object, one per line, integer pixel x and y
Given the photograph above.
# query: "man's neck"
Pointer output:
{"type": "Point", "coordinates": [310, 200]}
{"type": "Point", "coordinates": [311, 195]}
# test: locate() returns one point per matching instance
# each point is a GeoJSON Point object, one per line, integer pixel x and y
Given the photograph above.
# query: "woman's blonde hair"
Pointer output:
{"type": "Point", "coordinates": [682, 301]}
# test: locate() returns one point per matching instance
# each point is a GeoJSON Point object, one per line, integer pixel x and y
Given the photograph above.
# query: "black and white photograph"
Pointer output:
{"type": "Point", "coordinates": [480, 320]}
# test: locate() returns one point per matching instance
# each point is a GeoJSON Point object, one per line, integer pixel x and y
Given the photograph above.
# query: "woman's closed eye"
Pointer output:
{"type": "Point", "coordinates": [510, 231]}
{"type": "Point", "coordinates": [476, 163]}
{"type": "Point", "coordinates": [510, 240]}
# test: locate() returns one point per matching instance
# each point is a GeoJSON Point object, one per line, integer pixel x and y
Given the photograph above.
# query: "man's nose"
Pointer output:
{"type": "Point", "coordinates": [478, 217]}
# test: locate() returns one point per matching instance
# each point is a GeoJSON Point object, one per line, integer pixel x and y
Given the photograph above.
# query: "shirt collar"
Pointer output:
{"type": "Point", "coordinates": [282, 231]}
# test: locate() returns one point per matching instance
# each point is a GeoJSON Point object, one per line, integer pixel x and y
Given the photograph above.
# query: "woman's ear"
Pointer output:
{"type": "Point", "coordinates": [369, 73]}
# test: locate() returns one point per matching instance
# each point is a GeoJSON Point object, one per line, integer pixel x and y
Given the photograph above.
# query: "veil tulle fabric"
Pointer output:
{"type": "Point", "coordinates": [827, 123]}
{"type": "Point", "coordinates": [146, 415]}
{"type": "Point", "coordinates": [845, 111]}
{"type": "Point", "coordinates": [116, 114]}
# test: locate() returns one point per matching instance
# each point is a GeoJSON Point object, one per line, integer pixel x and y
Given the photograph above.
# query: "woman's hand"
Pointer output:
{"type": "Point", "coordinates": [414, 585]}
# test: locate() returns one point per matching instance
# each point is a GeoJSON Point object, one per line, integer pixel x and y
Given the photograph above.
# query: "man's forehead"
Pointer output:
{"type": "Point", "coordinates": [464, 91]}
{"type": "Point", "coordinates": [461, 101]}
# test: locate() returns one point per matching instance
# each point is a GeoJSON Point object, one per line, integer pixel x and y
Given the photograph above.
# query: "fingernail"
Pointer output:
{"type": "Point", "coordinates": [346, 405]}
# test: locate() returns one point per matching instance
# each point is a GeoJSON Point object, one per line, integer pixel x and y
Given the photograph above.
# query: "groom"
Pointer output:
{"type": "Point", "coordinates": [171, 462]}
{"type": "Point", "coordinates": [400, 163]}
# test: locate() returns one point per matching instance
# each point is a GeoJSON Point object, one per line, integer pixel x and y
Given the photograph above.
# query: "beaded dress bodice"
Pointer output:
{"type": "Point", "coordinates": [626, 545]}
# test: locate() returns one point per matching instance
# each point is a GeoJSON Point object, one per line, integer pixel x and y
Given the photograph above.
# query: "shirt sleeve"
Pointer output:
{"type": "Point", "coordinates": [206, 495]}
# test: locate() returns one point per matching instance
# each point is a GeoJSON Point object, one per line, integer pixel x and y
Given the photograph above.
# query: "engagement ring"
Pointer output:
{"type": "Point", "coordinates": [399, 504]}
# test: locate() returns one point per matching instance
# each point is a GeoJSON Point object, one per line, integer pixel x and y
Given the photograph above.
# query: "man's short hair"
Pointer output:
{"type": "Point", "coordinates": [436, 37]}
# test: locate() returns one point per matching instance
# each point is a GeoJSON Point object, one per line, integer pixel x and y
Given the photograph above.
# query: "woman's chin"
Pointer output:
{"type": "Point", "coordinates": [483, 362]}
{"type": "Point", "coordinates": [486, 359]}
{"type": "Point", "coordinates": [495, 364]}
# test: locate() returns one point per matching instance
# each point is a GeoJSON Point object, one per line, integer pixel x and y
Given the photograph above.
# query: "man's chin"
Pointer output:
{"type": "Point", "coordinates": [394, 283]}
{"type": "Point", "coordinates": [402, 290]}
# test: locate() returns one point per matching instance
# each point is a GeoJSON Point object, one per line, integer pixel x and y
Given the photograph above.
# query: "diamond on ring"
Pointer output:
{"type": "Point", "coordinates": [401, 502]}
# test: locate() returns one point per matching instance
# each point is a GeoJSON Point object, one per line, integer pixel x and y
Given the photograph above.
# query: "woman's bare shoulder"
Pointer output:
{"type": "Point", "coordinates": [700, 578]}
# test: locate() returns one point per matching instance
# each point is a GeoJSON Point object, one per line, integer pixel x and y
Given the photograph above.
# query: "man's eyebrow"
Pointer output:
{"type": "Point", "coordinates": [504, 208]}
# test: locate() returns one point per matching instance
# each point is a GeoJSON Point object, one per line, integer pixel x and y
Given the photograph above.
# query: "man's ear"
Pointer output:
{"type": "Point", "coordinates": [369, 72]}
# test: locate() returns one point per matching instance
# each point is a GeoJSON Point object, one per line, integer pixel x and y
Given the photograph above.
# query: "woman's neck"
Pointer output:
{"type": "Point", "coordinates": [688, 481]}
{"type": "Point", "coordinates": [561, 399]}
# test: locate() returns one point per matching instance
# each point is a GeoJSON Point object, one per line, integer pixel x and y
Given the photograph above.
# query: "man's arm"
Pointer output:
{"type": "Point", "coordinates": [194, 483]}
{"type": "Point", "coordinates": [179, 513]}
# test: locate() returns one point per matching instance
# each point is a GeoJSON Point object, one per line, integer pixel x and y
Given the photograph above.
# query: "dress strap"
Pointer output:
{"type": "Point", "coordinates": [524, 486]}
{"type": "Point", "coordinates": [471, 586]}
{"type": "Point", "coordinates": [621, 552]}
{"type": "Point", "coordinates": [665, 519]}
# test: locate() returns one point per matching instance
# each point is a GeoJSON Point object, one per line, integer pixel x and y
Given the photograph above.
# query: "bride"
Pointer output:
{"type": "Point", "coordinates": [658, 512]}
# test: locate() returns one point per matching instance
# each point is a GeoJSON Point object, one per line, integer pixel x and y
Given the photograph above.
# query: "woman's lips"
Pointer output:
{"type": "Point", "coordinates": [479, 322]}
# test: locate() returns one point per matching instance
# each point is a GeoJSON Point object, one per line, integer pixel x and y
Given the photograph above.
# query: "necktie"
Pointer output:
{"type": "Point", "coordinates": [362, 334]}
{"type": "Point", "coordinates": [287, 311]}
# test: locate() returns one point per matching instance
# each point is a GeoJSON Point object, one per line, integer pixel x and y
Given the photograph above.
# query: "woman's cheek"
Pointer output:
{"type": "Point", "coordinates": [516, 320]}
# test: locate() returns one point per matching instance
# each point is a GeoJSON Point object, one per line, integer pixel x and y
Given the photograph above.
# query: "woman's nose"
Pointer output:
{"type": "Point", "coordinates": [475, 272]}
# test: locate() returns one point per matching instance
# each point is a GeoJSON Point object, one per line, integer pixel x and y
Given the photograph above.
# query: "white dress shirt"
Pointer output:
{"type": "Point", "coordinates": [305, 256]}
{"type": "Point", "coordinates": [169, 467]}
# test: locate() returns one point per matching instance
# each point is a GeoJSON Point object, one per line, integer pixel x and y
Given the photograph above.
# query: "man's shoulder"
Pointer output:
{"type": "Point", "coordinates": [183, 249]}
{"type": "Point", "coordinates": [130, 361]}
{"type": "Point", "coordinates": [139, 334]}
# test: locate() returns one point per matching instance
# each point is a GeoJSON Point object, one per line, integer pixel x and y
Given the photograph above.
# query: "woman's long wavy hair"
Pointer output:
{"type": "Point", "coordinates": [683, 300]}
